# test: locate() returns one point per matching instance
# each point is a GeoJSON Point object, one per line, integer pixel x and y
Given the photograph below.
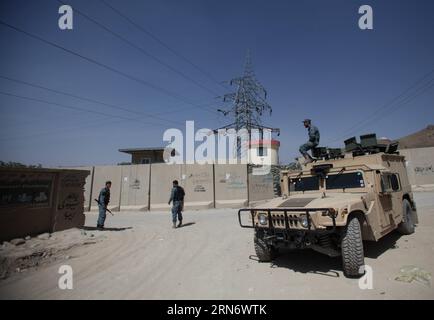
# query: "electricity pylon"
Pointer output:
{"type": "Point", "coordinates": [248, 104]}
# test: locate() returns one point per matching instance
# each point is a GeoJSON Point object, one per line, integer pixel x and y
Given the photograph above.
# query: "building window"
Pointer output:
{"type": "Point", "coordinates": [262, 151]}
{"type": "Point", "coordinates": [145, 161]}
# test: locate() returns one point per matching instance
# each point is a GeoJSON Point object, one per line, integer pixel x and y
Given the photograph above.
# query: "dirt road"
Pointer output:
{"type": "Point", "coordinates": [211, 257]}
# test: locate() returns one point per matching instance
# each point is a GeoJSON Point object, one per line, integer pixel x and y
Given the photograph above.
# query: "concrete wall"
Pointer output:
{"type": "Point", "coordinates": [135, 187]}
{"type": "Point", "coordinates": [87, 187]}
{"type": "Point", "coordinates": [70, 199]}
{"type": "Point", "coordinates": [420, 165]}
{"type": "Point", "coordinates": [100, 176]}
{"type": "Point", "coordinates": [198, 183]}
{"type": "Point", "coordinates": [147, 187]}
{"type": "Point", "coordinates": [143, 187]}
{"type": "Point", "coordinates": [34, 201]}
{"type": "Point", "coordinates": [231, 185]}
{"type": "Point", "coordinates": [261, 187]}
{"type": "Point", "coordinates": [162, 176]}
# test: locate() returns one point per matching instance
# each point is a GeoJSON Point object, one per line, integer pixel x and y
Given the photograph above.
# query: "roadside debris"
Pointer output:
{"type": "Point", "coordinates": [44, 236]}
{"type": "Point", "coordinates": [410, 273]}
{"type": "Point", "coordinates": [18, 242]}
{"type": "Point", "coordinates": [19, 255]}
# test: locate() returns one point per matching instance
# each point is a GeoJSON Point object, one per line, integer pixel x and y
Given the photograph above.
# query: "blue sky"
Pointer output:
{"type": "Point", "coordinates": [310, 55]}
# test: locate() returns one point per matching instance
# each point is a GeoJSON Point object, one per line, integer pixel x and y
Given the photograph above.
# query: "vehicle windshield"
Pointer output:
{"type": "Point", "coordinates": [345, 180]}
{"type": "Point", "coordinates": [305, 184]}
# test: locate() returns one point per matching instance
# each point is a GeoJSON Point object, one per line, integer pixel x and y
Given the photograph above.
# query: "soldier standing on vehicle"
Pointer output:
{"type": "Point", "coordinates": [313, 133]}
{"type": "Point", "coordinates": [177, 198]}
{"type": "Point", "coordinates": [103, 201]}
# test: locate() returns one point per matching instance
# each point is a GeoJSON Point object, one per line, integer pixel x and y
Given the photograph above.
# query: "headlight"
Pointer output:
{"type": "Point", "coordinates": [304, 222]}
{"type": "Point", "coordinates": [262, 218]}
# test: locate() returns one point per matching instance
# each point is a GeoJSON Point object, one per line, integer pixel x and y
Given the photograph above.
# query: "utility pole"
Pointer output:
{"type": "Point", "coordinates": [248, 104]}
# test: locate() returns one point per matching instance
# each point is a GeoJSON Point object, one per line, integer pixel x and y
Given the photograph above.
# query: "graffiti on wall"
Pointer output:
{"type": "Point", "coordinates": [25, 190]}
{"type": "Point", "coordinates": [72, 181]}
{"type": "Point", "coordinates": [70, 201]}
{"type": "Point", "coordinates": [426, 170]}
{"type": "Point", "coordinates": [233, 181]}
{"type": "Point", "coordinates": [69, 205]}
{"type": "Point", "coordinates": [200, 180]}
{"type": "Point", "coordinates": [199, 188]}
{"type": "Point", "coordinates": [135, 184]}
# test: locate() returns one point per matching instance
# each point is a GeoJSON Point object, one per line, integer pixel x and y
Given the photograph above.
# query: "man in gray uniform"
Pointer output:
{"type": "Point", "coordinates": [313, 133]}
{"type": "Point", "coordinates": [177, 197]}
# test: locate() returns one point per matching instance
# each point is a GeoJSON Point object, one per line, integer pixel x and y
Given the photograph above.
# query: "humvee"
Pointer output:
{"type": "Point", "coordinates": [332, 206]}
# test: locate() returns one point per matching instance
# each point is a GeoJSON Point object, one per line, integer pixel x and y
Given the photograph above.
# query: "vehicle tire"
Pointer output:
{"type": "Point", "coordinates": [264, 252]}
{"type": "Point", "coordinates": [407, 225]}
{"type": "Point", "coordinates": [353, 258]}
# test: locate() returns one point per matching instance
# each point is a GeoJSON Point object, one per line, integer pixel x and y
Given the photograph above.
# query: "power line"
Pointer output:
{"type": "Point", "coordinates": [248, 101]}
{"type": "Point", "coordinates": [75, 108]}
{"type": "Point", "coordinates": [52, 132]}
{"type": "Point", "coordinates": [102, 65]}
{"type": "Point", "coordinates": [388, 111]}
{"type": "Point", "coordinates": [403, 102]}
{"type": "Point", "coordinates": [161, 42]}
{"type": "Point", "coordinates": [207, 106]}
{"type": "Point", "coordinates": [73, 128]}
{"type": "Point", "coordinates": [141, 50]}
{"type": "Point", "coordinates": [83, 98]}
{"type": "Point", "coordinates": [78, 108]}
{"type": "Point", "coordinates": [248, 104]}
{"type": "Point", "coordinates": [113, 106]}
{"type": "Point", "coordinates": [398, 101]}
{"type": "Point", "coordinates": [402, 95]}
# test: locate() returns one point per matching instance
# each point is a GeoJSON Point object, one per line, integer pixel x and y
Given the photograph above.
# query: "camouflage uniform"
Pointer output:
{"type": "Point", "coordinates": [313, 133]}
{"type": "Point", "coordinates": [104, 199]}
{"type": "Point", "coordinates": [177, 197]}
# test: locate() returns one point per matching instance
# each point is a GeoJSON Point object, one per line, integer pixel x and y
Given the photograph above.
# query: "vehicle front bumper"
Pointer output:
{"type": "Point", "coordinates": [289, 219]}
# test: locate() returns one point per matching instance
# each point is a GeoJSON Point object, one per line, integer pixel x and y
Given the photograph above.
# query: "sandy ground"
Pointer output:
{"type": "Point", "coordinates": [211, 257]}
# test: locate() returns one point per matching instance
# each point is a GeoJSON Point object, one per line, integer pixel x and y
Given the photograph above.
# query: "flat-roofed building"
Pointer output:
{"type": "Point", "coordinates": [146, 155]}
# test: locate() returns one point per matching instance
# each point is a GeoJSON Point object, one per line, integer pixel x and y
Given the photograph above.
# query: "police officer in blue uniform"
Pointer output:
{"type": "Point", "coordinates": [103, 201]}
{"type": "Point", "coordinates": [314, 136]}
{"type": "Point", "coordinates": [177, 198]}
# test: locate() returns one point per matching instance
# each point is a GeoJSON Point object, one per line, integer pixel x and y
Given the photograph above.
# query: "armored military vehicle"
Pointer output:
{"type": "Point", "coordinates": [334, 204]}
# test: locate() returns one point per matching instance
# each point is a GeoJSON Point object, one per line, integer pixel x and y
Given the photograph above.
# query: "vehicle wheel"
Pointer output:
{"type": "Point", "coordinates": [264, 252]}
{"type": "Point", "coordinates": [353, 258]}
{"type": "Point", "coordinates": [407, 224]}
